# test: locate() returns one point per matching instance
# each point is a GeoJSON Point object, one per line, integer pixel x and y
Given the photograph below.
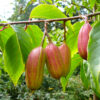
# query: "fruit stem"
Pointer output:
{"type": "Point", "coordinates": [45, 34]}
{"type": "Point", "coordinates": [45, 31]}
{"type": "Point", "coordinates": [64, 30]}
{"type": "Point", "coordinates": [43, 39]}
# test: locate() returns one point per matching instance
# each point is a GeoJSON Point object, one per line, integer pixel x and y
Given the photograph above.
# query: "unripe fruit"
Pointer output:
{"type": "Point", "coordinates": [34, 68]}
{"type": "Point", "coordinates": [66, 55]}
{"type": "Point", "coordinates": [83, 38]}
{"type": "Point", "coordinates": [54, 61]}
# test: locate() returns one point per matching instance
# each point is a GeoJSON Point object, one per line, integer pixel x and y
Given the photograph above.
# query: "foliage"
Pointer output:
{"type": "Point", "coordinates": [4, 36]}
{"type": "Point", "coordinates": [18, 10]}
{"type": "Point", "coordinates": [93, 57]}
{"type": "Point", "coordinates": [13, 59]}
{"type": "Point", "coordinates": [47, 11]}
{"type": "Point", "coordinates": [36, 34]}
{"type": "Point", "coordinates": [85, 74]}
{"type": "Point", "coordinates": [50, 89]}
{"type": "Point", "coordinates": [16, 44]}
{"type": "Point", "coordinates": [75, 62]}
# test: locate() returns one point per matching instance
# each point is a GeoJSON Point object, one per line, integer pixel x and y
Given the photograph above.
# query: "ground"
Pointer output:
{"type": "Point", "coordinates": [50, 90]}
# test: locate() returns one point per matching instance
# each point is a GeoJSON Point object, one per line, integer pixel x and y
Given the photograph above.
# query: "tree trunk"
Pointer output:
{"type": "Point", "coordinates": [95, 97]}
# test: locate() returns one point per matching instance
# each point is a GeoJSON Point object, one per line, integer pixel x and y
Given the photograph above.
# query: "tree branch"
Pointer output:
{"type": "Point", "coordinates": [50, 20]}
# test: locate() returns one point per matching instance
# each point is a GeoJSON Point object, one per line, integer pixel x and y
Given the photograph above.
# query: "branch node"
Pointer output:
{"type": "Point", "coordinates": [85, 18]}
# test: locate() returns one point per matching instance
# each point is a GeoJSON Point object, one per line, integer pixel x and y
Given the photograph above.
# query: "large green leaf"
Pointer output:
{"type": "Point", "coordinates": [75, 62]}
{"type": "Point", "coordinates": [5, 35]}
{"type": "Point", "coordinates": [36, 34]}
{"type": "Point", "coordinates": [94, 56]}
{"type": "Point", "coordinates": [13, 59]}
{"type": "Point", "coordinates": [46, 11]}
{"type": "Point", "coordinates": [85, 74]}
{"type": "Point", "coordinates": [25, 42]}
{"type": "Point", "coordinates": [72, 37]}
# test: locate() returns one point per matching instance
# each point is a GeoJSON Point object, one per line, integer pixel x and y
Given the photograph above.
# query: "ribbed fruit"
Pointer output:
{"type": "Point", "coordinates": [83, 38]}
{"type": "Point", "coordinates": [66, 55]}
{"type": "Point", "coordinates": [54, 61]}
{"type": "Point", "coordinates": [34, 68]}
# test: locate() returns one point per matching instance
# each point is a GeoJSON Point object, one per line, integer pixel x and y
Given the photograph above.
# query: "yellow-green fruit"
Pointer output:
{"type": "Point", "coordinates": [66, 55]}
{"type": "Point", "coordinates": [34, 68]}
{"type": "Point", "coordinates": [54, 61]}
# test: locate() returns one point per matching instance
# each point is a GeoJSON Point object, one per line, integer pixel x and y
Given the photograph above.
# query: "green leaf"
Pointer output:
{"type": "Point", "coordinates": [1, 44]}
{"type": "Point", "coordinates": [25, 42]}
{"type": "Point", "coordinates": [85, 74]}
{"type": "Point", "coordinates": [50, 1]}
{"type": "Point", "coordinates": [85, 3]}
{"type": "Point", "coordinates": [46, 11]}
{"type": "Point", "coordinates": [92, 3]}
{"type": "Point", "coordinates": [94, 56]}
{"type": "Point", "coordinates": [36, 34]}
{"type": "Point", "coordinates": [72, 37]}
{"type": "Point", "coordinates": [63, 83]}
{"type": "Point", "coordinates": [13, 59]}
{"type": "Point", "coordinates": [75, 62]}
{"type": "Point", "coordinates": [98, 1]}
{"type": "Point", "coordinates": [1, 60]}
{"type": "Point", "coordinates": [5, 35]}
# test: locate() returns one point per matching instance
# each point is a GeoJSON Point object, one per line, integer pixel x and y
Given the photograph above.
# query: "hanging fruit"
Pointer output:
{"type": "Point", "coordinates": [83, 38]}
{"type": "Point", "coordinates": [66, 56]}
{"type": "Point", "coordinates": [54, 61]}
{"type": "Point", "coordinates": [34, 68]}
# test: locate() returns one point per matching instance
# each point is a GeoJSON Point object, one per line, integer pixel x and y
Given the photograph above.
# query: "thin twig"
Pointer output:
{"type": "Point", "coordinates": [49, 20]}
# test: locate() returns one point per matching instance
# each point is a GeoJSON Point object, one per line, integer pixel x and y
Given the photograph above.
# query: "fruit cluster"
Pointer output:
{"type": "Point", "coordinates": [57, 59]}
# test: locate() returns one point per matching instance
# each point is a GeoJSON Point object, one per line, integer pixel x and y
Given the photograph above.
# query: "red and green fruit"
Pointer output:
{"type": "Point", "coordinates": [35, 68]}
{"type": "Point", "coordinates": [83, 38]}
{"type": "Point", "coordinates": [66, 56]}
{"type": "Point", "coordinates": [54, 61]}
